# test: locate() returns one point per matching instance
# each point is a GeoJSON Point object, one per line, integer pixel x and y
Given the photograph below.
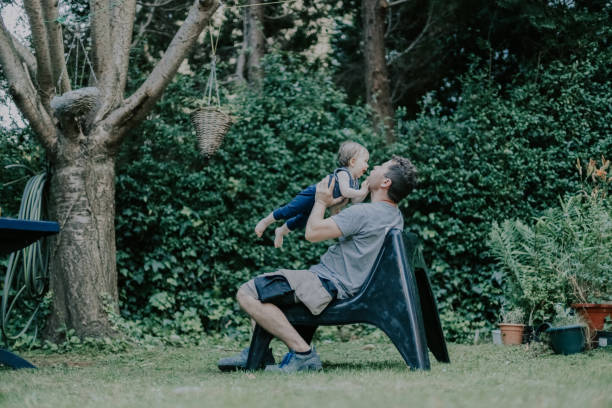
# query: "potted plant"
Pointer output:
{"type": "Point", "coordinates": [568, 333]}
{"type": "Point", "coordinates": [512, 326]}
{"type": "Point", "coordinates": [604, 336]}
{"type": "Point", "coordinates": [529, 280]}
{"type": "Point", "coordinates": [588, 229]}
{"type": "Point", "coordinates": [565, 256]}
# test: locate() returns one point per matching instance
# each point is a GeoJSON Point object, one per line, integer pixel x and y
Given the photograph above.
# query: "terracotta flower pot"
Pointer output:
{"type": "Point", "coordinates": [593, 313]}
{"type": "Point", "coordinates": [512, 333]}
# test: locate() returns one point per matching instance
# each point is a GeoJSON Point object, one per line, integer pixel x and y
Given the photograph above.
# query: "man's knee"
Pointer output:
{"type": "Point", "coordinates": [245, 293]}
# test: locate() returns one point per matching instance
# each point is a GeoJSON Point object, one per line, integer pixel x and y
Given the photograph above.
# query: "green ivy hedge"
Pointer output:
{"type": "Point", "coordinates": [504, 153]}
{"type": "Point", "coordinates": [185, 226]}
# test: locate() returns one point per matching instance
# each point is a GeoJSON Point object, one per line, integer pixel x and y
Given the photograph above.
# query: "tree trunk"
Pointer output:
{"type": "Point", "coordinates": [83, 274]}
{"type": "Point", "coordinates": [81, 146]}
{"type": "Point", "coordinates": [241, 60]}
{"type": "Point", "coordinates": [256, 41]}
{"type": "Point", "coordinates": [376, 73]}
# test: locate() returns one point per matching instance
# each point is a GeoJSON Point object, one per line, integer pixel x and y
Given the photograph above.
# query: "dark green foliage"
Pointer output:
{"type": "Point", "coordinates": [429, 43]}
{"type": "Point", "coordinates": [17, 147]}
{"type": "Point", "coordinates": [500, 155]}
{"type": "Point", "coordinates": [185, 227]}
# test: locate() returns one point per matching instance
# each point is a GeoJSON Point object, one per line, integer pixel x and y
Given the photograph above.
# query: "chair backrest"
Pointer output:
{"type": "Point", "coordinates": [392, 236]}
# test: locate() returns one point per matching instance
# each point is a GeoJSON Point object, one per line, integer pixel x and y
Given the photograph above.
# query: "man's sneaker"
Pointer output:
{"type": "Point", "coordinates": [239, 361]}
{"type": "Point", "coordinates": [293, 362]}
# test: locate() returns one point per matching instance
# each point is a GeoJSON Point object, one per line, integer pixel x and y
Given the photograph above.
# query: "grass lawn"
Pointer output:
{"type": "Point", "coordinates": [361, 373]}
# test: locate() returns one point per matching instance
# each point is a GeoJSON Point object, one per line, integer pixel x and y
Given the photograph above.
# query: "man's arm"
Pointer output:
{"type": "Point", "coordinates": [318, 227]}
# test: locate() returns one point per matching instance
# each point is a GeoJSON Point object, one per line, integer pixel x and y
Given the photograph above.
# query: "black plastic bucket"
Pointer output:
{"type": "Point", "coordinates": [567, 339]}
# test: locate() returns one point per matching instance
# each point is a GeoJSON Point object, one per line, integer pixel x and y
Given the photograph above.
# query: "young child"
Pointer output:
{"type": "Point", "coordinates": [353, 159]}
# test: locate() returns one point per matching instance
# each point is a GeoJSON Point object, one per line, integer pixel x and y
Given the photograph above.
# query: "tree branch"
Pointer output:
{"type": "Point", "coordinates": [26, 55]}
{"type": "Point", "coordinates": [23, 92]}
{"type": "Point", "coordinates": [40, 41]}
{"type": "Point", "coordinates": [241, 60]}
{"type": "Point", "coordinates": [156, 3]}
{"type": "Point", "coordinates": [281, 17]}
{"type": "Point", "coordinates": [123, 23]}
{"type": "Point", "coordinates": [101, 43]}
{"type": "Point", "coordinates": [395, 3]}
{"type": "Point", "coordinates": [115, 78]}
{"type": "Point", "coordinates": [143, 27]}
{"type": "Point", "coordinates": [56, 46]}
{"type": "Point", "coordinates": [138, 105]}
{"type": "Point", "coordinates": [416, 40]}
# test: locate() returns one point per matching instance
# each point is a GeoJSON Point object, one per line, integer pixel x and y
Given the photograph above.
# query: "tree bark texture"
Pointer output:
{"type": "Point", "coordinates": [82, 149]}
{"type": "Point", "coordinates": [376, 72]}
{"type": "Point", "coordinates": [241, 61]}
{"type": "Point", "coordinates": [83, 264]}
{"type": "Point", "coordinates": [256, 42]}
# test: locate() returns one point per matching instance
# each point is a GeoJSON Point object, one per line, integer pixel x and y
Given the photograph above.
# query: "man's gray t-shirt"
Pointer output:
{"type": "Point", "coordinates": [364, 227]}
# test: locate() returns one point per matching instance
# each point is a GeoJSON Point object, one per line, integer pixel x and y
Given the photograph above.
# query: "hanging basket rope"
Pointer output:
{"type": "Point", "coordinates": [210, 122]}
{"type": "Point", "coordinates": [78, 102]}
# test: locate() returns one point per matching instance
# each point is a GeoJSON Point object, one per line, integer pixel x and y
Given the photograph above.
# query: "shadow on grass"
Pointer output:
{"type": "Point", "coordinates": [366, 365]}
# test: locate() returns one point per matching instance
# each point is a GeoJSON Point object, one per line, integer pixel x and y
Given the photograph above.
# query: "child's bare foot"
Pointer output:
{"type": "Point", "coordinates": [279, 234]}
{"type": "Point", "coordinates": [263, 224]}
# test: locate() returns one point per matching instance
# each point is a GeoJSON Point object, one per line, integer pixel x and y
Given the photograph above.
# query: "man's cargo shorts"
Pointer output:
{"type": "Point", "coordinates": [287, 286]}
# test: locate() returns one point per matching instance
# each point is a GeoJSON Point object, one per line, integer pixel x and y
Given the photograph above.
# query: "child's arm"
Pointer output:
{"type": "Point", "coordinates": [345, 187]}
{"type": "Point", "coordinates": [364, 193]}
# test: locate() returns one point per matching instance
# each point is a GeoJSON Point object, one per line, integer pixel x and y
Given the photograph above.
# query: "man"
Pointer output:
{"type": "Point", "coordinates": [361, 230]}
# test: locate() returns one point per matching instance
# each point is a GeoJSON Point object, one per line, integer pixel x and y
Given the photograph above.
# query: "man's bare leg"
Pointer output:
{"type": "Point", "coordinates": [271, 318]}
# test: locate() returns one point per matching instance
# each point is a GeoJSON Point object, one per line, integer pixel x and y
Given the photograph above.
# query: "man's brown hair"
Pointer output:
{"type": "Point", "coordinates": [403, 177]}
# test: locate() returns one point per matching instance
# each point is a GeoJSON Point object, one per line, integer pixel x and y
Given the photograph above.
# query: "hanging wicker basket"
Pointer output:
{"type": "Point", "coordinates": [211, 125]}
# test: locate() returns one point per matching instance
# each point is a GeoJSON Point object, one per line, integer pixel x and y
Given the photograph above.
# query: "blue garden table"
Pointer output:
{"type": "Point", "coordinates": [15, 235]}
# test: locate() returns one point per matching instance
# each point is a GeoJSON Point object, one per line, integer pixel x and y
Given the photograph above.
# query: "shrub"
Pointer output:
{"type": "Point", "coordinates": [504, 153]}
{"type": "Point", "coordinates": [185, 227]}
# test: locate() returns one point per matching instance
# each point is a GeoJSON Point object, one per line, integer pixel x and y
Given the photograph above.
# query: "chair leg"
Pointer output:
{"type": "Point", "coordinates": [411, 345]}
{"type": "Point", "coordinates": [431, 319]}
{"type": "Point", "coordinates": [259, 345]}
{"type": "Point", "coordinates": [13, 360]}
{"type": "Point", "coordinates": [307, 332]}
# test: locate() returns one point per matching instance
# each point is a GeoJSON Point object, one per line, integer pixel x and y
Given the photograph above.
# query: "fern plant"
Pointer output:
{"type": "Point", "coordinates": [565, 257]}
{"type": "Point", "coordinates": [526, 256]}
{"type": "Point", "coordinates": [582, 228]}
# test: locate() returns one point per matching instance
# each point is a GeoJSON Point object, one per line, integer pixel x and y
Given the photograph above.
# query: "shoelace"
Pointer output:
{"type": "Point", "coordinates": [286, 359]}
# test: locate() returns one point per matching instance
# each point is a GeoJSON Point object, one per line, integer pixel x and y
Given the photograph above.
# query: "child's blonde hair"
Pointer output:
{"type": "Point", "coordinates": [347, 151]}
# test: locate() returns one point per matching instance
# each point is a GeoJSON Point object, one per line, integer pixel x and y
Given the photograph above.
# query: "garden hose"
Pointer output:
{"type": "Point", "coordinates": [26, 273]}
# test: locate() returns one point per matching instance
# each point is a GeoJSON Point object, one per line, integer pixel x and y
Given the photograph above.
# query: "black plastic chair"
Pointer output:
{"type": "Point", "coordinates": [396, 298]}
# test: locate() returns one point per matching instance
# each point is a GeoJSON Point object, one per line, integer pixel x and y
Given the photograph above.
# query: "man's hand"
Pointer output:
{"type": "Point", "coordinates": [319, 228]}
{"type": "Point", "coordinates": [335, 209]}
{"type": "Point", "coordinates": [325, 193]}
{"type": "Point", "coordinates": [365, 186]}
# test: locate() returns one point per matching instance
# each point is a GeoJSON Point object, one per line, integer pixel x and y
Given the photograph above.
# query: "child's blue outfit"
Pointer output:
{"type": "Point", "coordinates": [298, 210]}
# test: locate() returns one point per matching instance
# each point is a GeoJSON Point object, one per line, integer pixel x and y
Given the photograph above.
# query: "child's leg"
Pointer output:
{"type": "Point", "coordinates": [279, 234]}
{"type": "Point", "coordinates": [301, 203]}
{"type": "Point", "coordinates": [297, 222]}
{"type": "Point", "coordinates": [263, 224]}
